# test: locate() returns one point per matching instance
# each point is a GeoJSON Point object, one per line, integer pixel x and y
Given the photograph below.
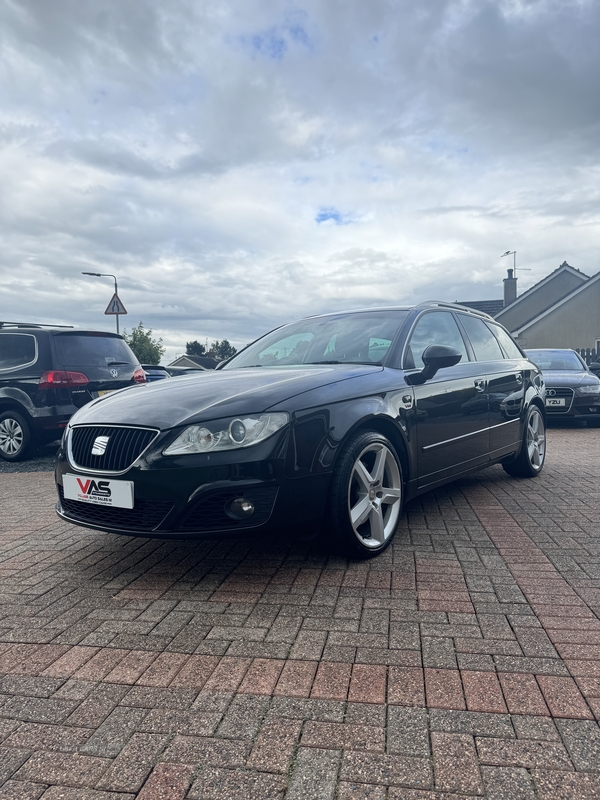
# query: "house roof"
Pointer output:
{"type": "Point", "coordinates": [564, 267]}
{"type": "Point", "coordinates": [491, 307]}
{"type": "Point", "coordinates": [585, 285]}
{"type": "Point", "coordinates": [202, 362]}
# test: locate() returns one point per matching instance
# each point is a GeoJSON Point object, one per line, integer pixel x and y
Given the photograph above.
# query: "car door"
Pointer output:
{"type": "Point", "coordinates": [451, 410]}
{"type": "Point", "coordinates": [502, 363]}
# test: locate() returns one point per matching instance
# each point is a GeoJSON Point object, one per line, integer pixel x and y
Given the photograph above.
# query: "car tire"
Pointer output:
{"type": "Point", "coordinates": [16, 440]}
{"type": "Point", "coordinates": [530, 461]}
{"type": "Point", "coordinates": [365, 499]}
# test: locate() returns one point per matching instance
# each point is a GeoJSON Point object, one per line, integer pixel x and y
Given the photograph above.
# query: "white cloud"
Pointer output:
{"type": "Point", "coordinates": [240, 165]}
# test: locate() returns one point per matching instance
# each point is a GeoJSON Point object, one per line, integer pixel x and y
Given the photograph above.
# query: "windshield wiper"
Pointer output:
{"type": "Point", "coordinates": [116, 363]}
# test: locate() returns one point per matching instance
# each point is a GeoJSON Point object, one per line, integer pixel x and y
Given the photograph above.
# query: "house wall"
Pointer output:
{"type": "Point", "coordinates": [576, 323]}
{"type": "Point", "coordinates": [542, 298]}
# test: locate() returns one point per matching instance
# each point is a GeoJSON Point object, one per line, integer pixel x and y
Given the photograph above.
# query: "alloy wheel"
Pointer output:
{"type": "Point", "coordinates": [374, 494]}
{"type": "Point", "coordinates": [536, 439]}
{"type": "Point", "coordinates": [11, 436]}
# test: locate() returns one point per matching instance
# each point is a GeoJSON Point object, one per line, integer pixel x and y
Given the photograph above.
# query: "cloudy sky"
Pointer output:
{"type": "Point", "coordinates": [240, 164]}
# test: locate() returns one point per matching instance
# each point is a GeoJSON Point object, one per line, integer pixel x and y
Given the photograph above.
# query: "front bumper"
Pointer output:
{"type": "Point", "coordinates": [194, 500]}
{"type": "Point", "coordinates": [575, 406]}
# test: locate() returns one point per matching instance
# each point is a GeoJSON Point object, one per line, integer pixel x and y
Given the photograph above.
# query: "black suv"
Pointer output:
{"type": "Point", "coordinates": [47, 373]}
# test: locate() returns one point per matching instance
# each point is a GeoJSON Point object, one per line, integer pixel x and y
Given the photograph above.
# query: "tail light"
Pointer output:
{"type": "Point", "coordinates": [61, 379]}
{"type": "Point", "coordinates": [139, 376]}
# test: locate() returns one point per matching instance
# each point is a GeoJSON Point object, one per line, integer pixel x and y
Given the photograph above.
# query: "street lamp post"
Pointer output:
{"type": "Point", "coordinates": [106, 275]}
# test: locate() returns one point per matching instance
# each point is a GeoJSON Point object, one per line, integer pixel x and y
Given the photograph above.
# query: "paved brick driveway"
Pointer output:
{"type": "Point", "coordinates": [463, 662]}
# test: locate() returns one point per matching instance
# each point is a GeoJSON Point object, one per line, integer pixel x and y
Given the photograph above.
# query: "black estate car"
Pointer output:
{"type": "Point", "coordinates": [328, 423]}
{"type": "Point", "coordinates": [47, 373]}
{"type": "Point", "coordinates": [572, 389]}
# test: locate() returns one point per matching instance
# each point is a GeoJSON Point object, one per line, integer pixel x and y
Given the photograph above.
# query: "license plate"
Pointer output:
{"type": "Point", "coordinates": [556, 401]}
{"type": "Point", "coordinates": [105, 391]}
{"type": "Point", "coordinates": [99, 491]}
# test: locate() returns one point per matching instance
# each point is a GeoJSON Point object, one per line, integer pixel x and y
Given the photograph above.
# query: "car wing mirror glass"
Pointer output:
{"type": "Point", "coordinates": [435, 357]}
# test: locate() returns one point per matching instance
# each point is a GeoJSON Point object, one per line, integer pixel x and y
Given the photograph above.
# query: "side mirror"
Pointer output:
{"type": "Point", "coordinates": [435, 357]}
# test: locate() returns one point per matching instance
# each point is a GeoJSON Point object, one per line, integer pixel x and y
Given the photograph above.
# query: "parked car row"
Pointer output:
{"type": "Point", "coordinates": [47, 372]}
{"type": "Point", "coordinates": [329, 423]}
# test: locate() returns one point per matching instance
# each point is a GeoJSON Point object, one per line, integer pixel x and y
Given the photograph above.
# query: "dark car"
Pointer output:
{"type": "Point", "coordinates": [155, 372]}
{"type": "Point", "coordinates": [176, 372]}
{"type": "Point", "coordinates": [572, 389]}
{"type": "Point", "coordinates": [47, 373]}
{"type": "Point", "coordinates": [336, 419]}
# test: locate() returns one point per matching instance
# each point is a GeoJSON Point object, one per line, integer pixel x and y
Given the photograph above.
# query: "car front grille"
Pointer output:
{"type": "Point", "coordinates": [560, 392]}
{"type": "Point", "coordinates": [123, 447]}
{"type": "Point", "coordinates": [146, 516]}
{"type": "Point", "coordinates": [210, 512]}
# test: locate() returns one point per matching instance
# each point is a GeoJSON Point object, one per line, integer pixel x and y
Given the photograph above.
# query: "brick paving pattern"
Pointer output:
{"type": "Point", "coordinates": [463, 662]}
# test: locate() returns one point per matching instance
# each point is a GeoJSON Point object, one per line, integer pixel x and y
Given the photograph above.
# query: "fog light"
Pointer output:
{"type": "Point", "coordinates": [241, 508]}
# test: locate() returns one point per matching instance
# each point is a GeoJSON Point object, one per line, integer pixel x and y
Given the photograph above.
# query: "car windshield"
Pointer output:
{"type": "Point", "coordinates": [360, 338]}
{"type": "Point", "coordinates": [559, 360]}
{"type": "Point", "coordinates": [94, 349]}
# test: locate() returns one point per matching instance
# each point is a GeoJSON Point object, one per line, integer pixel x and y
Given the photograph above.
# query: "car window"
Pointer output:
{"type": "Point", "coordinates": [484, 342]}
{"type": "Point", "coordinates": [362, 337]}
{"type": "Point", "coordinates": [17, 350]}
{"type": "Point", "coordinates": [92, 350]}
{"type": "Point", "coordinates": [508, 345]}
{"type": "Point", "coordinates": [436, 327]}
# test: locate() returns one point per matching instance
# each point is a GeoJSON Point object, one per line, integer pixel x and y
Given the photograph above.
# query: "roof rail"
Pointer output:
{"type": "Point", "coordinates": [442, 304]}
{"type": "Point", "coordinates": [31, 325]}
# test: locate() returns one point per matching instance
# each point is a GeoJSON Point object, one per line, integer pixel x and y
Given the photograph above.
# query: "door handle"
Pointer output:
{"type": "Point", "coordinates": [480, 385]}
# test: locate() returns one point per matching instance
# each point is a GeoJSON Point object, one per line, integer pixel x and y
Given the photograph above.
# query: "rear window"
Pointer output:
{"type": "Point", "coordinates": [93, 350]}
{"type": "Point", "coordinates": [17, 350]}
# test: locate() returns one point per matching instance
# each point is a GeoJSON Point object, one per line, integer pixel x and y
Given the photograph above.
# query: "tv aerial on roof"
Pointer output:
{"type": "Point", "coordinates": [513, 253]}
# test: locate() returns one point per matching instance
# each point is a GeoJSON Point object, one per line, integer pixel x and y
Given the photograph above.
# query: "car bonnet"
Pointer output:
{"type": "Point", "coordinates": [211, 395]}
{"type": "Point", "coordinates": [569, 378]}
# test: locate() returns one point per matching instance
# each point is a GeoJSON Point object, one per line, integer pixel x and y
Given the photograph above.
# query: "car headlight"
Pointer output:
{"type": "Point", "coordinates": [230, 434]}
{"type": "Point", "coordinates": [593, 388]}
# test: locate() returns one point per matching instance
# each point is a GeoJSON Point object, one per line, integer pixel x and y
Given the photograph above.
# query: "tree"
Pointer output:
{"type": "Point", "coordinates": [195, 348]}
{"type": "Point", "coordinates": [223, 350]}
{"type": "Point", "coordinates": [146, 349]}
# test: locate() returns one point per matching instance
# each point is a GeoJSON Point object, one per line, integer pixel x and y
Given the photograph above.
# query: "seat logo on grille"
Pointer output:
{"type": "Point", "coordinates": [550, 392]}
{"type": "Point", "coordinates": [100, 445]}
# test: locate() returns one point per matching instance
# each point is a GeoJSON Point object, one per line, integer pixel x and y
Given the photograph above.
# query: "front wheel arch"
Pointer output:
{"type": "Point", "coordinates": [387, 428]}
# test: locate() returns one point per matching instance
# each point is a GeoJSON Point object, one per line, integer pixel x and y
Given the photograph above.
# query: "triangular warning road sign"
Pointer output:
{"type": "Point", "coordinates": [115, 306]}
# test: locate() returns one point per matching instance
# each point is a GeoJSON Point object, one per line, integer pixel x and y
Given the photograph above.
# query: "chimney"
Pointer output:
{"type": "Point", "coordinates": [510, 289]}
